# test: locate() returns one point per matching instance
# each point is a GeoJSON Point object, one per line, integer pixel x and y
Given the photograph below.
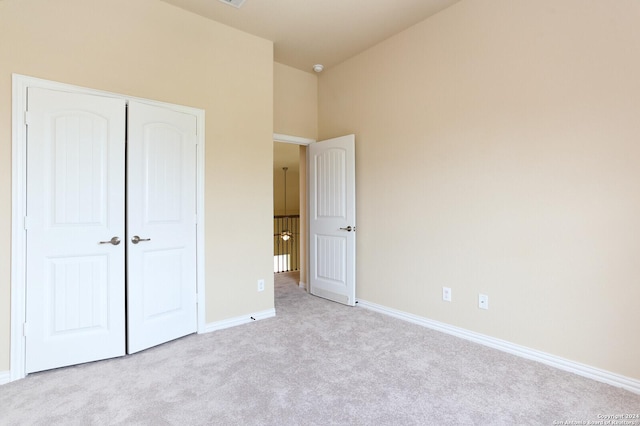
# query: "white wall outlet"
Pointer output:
{"type": "Point", "coordinates": [483, 301]}
{"type": "Point", "coordinates": [446, 294]}
{"type": "Point", "coordinates": [260, 285]}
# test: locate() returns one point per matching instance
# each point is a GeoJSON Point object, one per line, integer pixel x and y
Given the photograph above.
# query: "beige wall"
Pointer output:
{"type": "Point", "coordinates": [497, 152]}
{"type": "Point", "coordinates": [286, 155]}
{"type": "Point", "coordinates": [149, 49]}
{"type": "Point", "coordinates": [295, 102]}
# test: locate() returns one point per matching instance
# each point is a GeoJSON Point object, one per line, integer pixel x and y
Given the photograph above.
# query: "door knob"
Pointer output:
{"type": "Point", "coordinates": [115, 241]}
{"type": "Point", "coordinates": [348, 229]}
{"type": "Point", "coordinates": [135, 239]}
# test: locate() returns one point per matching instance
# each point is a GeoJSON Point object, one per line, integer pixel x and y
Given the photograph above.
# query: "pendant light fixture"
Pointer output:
{"type": "Point", "coordinates": [286, 235]}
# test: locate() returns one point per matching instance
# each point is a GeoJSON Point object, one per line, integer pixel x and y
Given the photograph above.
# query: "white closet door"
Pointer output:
{"type": "Point", "coordinates": [75, 202]}
{"type": "Point", "coordinates": [161, 225]}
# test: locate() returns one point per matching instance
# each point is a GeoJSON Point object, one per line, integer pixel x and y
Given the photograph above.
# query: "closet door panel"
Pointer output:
{"type": "Point", "coordinates": [161, 225]}
{"type": "Point", "coordinates": [75, 218]}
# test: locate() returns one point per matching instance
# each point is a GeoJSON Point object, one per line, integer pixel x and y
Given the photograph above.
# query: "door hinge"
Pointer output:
{"type": "Point", "coordinates": [26, 223]}
{"type": "Point", "coordinates": [24, 329]}
{"type": "Point", "coordinates": [27, 118]}
{"type": "Point", "coordinates": [195, 219]}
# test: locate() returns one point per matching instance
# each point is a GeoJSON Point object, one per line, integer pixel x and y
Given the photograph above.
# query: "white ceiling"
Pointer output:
{"type": "Point", "coordinates": [308, 32]}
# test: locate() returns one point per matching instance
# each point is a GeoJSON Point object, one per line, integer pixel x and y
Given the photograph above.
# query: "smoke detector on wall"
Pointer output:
{"type": "Point", "coordinates": [235, 3]}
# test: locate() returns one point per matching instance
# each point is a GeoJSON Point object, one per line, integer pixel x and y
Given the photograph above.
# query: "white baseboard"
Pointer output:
{"type": "Point", "coordinates": [244, 319]}
{"type": "Point", "coordinates": [5, 377]}
{"type": "Point", "coordinates": [302, 285]}
{"type": "Point", "coordinates": [583, 370]}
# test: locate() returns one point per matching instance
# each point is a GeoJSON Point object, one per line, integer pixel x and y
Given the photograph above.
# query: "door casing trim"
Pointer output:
{"type": "Point", "coordinates": [295, 140]}
{"type": "Point", "coordinates": [20, 84]}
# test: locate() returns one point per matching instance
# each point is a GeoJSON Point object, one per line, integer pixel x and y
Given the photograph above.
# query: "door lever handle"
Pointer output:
{"type": "Point", "coordinates": [115, 241]}
{"type": "Point", "coordinates": [135, 239]}
{"type": "Point", "coordinates": [348, 229]}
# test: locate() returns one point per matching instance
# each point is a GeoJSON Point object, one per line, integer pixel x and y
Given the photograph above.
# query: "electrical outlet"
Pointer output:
{"type": "Point", "coordinates": [260, 285]}
{"type": "Point", "coordinates": [483, 301]}
{"type": "Point", "coordinates": [446, 294]}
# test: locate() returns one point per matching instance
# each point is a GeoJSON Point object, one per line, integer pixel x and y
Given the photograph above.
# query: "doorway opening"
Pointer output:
{"type": "Point", "coordinates": [286, 207]}
{"type": "Point", "coordinates": [290, 247]}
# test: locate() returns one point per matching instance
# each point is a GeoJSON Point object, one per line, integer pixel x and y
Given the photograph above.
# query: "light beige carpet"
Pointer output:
{"type": "Point", "coordinates": [316, 363]}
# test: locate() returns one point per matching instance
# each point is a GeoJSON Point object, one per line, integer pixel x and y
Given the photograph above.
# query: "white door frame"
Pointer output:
{"type": "Point", "coordinates": [18, 206]}
{"type": "Point", "coordinates": [295, 140]}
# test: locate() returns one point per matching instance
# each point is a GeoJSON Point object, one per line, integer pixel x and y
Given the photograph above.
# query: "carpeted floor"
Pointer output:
{"type": "Point", "coordinates": [315, 363]}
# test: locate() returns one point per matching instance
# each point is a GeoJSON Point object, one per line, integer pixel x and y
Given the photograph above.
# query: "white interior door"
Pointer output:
{"type": "Point", "coordinates": [332, 219]}
{"type": "Point", "coordinates": [75, 209]}
{"type": "Point", "coordinates": [161, 225]}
